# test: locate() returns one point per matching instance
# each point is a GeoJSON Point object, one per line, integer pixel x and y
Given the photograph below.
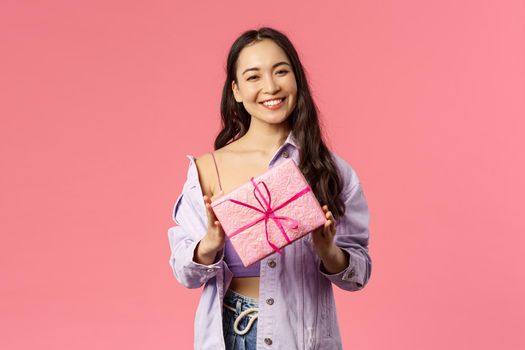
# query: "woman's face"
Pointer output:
{"type": "Point", "coordinates": [264, 73]}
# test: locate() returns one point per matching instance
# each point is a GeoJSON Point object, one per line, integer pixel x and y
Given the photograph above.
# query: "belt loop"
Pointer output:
{"type": "Point", "coordinates": [238, 304]}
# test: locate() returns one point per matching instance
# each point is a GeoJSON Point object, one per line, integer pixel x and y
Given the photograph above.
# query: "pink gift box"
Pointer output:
{"type": "Point", "coordinates": [269, 212]}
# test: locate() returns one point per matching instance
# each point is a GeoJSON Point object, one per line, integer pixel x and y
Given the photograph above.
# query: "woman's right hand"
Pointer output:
{"type": "Point", "coordinates": [214, 239]}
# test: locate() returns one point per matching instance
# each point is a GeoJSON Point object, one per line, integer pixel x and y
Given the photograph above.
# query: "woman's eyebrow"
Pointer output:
{"type": "Point", "coordinates": [275, 65]}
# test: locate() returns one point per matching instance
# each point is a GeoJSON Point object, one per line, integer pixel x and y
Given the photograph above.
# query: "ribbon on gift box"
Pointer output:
{"type": "Point", "coordinates": [269, 213]}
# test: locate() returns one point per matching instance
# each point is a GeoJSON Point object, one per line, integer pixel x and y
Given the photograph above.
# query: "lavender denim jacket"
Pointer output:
{"type": "Point", "coordinates": [302, 314]}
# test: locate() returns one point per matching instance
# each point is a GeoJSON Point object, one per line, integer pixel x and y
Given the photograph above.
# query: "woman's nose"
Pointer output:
{"type": "Point", "coordinates": [270, 85]}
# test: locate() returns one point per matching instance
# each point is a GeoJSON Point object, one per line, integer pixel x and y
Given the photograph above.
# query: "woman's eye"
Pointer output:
{"type": "Point", "coordinates": [255, 76]}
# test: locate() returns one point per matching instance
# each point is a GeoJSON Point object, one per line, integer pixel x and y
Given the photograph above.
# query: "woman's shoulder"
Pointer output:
{"type": "Point", "coordinates": [205, 170]}
{"type": "Point", "coordinates": [205, 162]}
{"type": "Point", "coordinates": [341, 162]}
{"type": "Point", "coordinates": [346, 170]}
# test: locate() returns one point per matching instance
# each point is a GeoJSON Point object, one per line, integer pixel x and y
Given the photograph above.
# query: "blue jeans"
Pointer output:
{"type": "Point", "coordinates": [242, 310]}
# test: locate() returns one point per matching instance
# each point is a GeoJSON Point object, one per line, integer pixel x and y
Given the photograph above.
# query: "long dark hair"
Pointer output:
{"type": "Point", "coordinates": [316, 162]}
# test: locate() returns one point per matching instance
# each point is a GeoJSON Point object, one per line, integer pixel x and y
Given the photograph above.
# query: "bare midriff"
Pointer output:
{"type": "Point", "coordinates": [248, 286]}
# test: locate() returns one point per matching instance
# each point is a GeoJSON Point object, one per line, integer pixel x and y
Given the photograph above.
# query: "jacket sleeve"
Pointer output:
{"type": "Point", "coordinates": [352, 236]}
{"type": "Point", "coordinates": [189, 215]}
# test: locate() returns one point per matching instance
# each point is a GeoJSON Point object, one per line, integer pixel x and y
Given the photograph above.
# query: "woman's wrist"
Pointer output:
{"type": "Point", "coordinates": [204, 254]}
{"type": "Point", "coordinates": [334, 260]}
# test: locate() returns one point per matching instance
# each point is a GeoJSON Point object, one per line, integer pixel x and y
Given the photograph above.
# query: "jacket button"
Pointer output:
{"type": "Point", "coordinates": [271, 263]}
{"type": "Point", "coordinates": [269, 301]}
{"type": "Point", "coordinates": [268, 341]}
{"type": "Point", "coordinates": [285, 154]}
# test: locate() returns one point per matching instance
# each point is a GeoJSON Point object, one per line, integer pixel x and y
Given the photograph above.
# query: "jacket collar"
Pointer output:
{"type": "Point", "coordinates": [291, 140]}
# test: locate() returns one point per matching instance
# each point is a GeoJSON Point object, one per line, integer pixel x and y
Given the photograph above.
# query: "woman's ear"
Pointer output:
{"type": "Point", "coordinates": [235, 90]}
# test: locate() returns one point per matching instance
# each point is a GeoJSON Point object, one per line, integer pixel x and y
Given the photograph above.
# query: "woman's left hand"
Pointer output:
{"type": "Point", "coordinates": [323, 237]}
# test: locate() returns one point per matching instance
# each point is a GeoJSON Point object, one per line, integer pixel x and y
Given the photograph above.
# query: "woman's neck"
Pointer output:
{"type": "Point", "coordinates": [265, 138]}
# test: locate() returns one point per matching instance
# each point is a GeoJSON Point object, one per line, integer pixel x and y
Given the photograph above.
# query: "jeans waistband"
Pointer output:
{"type": "Point", "coordinates": [242, 306]}
{"type": "Point", "coordinates": [232, 296]}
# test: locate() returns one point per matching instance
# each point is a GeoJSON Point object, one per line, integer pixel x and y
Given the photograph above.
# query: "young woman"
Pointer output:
{"type": "Point", "coordinates": [286, 300]}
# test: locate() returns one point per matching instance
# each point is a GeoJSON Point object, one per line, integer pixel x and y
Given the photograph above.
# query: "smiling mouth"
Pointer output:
{"type": "Point", "coordinates": [273, 103]}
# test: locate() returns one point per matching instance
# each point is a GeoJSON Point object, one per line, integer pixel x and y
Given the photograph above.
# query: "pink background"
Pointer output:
{"type": "Point", "coordinates": [426, 99]}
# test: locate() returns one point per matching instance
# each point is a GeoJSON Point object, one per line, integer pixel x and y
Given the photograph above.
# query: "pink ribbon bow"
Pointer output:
{"type": "Point", "coordinates": [269, 213]}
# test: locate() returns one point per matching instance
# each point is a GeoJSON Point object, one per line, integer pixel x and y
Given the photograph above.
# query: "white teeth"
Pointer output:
{"type": "Point", "coordinates": [272, 102]}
